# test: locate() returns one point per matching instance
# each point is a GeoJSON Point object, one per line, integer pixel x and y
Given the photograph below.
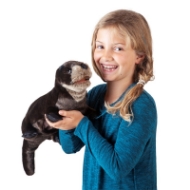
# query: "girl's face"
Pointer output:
{"type": "Point", "coordinates": [114, 57]}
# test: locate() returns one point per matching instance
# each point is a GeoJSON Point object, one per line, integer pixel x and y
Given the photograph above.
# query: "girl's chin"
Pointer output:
{"type": "Point", "coordinates": [108, 75]}
{"type": "Point", "coordinates": [107, 78]}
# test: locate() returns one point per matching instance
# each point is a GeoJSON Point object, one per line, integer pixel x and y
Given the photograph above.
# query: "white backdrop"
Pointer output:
{"type": "Point", "coordinates": [37, 36]}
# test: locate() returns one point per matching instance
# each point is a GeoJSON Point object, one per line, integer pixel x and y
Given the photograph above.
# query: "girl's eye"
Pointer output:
{"type": "Point", "coordinates": [118, 48]}
{"type": "Point", "coordinates": [99, 47]}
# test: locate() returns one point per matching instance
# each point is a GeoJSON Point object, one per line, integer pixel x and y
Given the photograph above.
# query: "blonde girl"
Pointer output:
{"type": "Point", "coordinates": [120, 143]}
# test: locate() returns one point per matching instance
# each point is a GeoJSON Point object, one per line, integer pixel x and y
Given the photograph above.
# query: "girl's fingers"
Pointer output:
{"type": "Point", "coordinates": [63, 113]}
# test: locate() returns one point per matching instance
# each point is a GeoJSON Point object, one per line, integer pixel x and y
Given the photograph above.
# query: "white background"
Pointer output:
{"type": "Point", "coordinates": [37, 36]}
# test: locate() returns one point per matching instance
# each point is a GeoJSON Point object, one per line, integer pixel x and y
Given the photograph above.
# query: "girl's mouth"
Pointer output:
{"type": "Point", "coordinates": [109, 68]}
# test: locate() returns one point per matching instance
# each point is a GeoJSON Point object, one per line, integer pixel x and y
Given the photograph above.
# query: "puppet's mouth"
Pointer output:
{"type": "Point", "coordinates": [85, 79]}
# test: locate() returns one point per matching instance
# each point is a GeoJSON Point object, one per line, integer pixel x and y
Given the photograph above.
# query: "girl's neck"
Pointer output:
{"type": "Point", "coordinates": [114, 91]}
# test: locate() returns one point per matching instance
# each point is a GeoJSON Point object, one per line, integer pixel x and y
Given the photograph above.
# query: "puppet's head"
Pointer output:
{"type": "Point", "coordinates": [74, 76]}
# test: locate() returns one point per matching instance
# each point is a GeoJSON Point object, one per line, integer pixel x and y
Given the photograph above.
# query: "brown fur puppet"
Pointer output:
{"type": "Point", "coordinates": [69, 93]}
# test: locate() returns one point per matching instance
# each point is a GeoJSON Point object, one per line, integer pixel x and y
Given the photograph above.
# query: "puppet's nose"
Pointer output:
{"type": "Point", "coordinates": [84, 66]}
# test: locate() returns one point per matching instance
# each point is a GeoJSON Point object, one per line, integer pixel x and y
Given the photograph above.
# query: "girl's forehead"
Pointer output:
{"type": "Point", "coordinates": [113, 32]}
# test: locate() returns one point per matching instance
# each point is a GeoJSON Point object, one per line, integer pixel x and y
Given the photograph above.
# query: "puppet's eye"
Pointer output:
{"type": "Point", "coordinates": [69, 71]}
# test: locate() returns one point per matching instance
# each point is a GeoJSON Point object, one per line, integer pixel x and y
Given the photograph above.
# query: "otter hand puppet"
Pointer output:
{"type": "Point", "coordinates": [68, 93]}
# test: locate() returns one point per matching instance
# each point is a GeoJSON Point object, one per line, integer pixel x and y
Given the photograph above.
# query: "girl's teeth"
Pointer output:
{"type": "Point", "coordinates": [109, 67]}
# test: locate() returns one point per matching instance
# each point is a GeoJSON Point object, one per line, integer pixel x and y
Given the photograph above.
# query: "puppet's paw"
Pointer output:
{"type": "Point", "coordinates": [56, 138]}
{"type": "Point", "coordinates": [29, 135]}
{"type": "Point", "coordinates": [53, 117]}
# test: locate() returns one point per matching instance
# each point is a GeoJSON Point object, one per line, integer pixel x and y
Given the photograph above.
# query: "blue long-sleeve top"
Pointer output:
{"type": "Point", "coordinates": [118, 155]}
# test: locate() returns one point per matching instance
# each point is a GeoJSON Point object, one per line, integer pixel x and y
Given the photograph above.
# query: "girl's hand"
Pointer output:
{"type": "Point", "coordinates": [70, 120]}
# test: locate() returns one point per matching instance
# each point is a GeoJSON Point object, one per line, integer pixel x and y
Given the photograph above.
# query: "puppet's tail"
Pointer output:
{"type": "Point", "coordinates": [28, 154]}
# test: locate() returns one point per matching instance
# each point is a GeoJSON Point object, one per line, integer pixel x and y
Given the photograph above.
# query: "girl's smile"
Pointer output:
{"type": "Point", "coordinates": [107, 68]}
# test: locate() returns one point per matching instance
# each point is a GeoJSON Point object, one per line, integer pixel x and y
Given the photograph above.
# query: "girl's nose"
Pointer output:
{"type": "Point", "coordinates": [107, 55]}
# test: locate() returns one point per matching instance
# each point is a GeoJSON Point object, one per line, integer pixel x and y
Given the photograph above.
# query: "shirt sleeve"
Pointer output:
{"type": "Point", "coordinates": [69, 142]}
{"type": "Point", "coordinates": [120, 158]}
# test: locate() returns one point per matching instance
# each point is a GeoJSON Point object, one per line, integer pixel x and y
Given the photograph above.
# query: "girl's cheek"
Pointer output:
{"type": "Point", "coordinates": [96, 59]}
{"type": "Point", "coordinates": [96, 56]}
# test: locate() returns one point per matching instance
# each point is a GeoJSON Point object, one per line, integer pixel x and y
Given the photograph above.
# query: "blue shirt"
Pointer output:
{"type": "Point", "coordinates": [118, 155]}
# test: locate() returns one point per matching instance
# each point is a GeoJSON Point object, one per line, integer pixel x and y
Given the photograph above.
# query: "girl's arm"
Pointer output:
{"type": "Point", "coordinates": [119, 159]}
{"type": "Point", "coordinates": [70, 143]}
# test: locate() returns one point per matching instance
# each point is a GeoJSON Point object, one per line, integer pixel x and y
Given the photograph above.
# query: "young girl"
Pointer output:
{"type": "Point", "coordinates": [120, 143]}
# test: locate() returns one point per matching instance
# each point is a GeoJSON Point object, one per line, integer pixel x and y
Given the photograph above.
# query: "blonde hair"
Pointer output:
{"type": "Point", "coordinates": [134, 26]}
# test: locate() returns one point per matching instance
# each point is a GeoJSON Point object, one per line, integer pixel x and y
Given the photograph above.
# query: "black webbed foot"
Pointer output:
{"type": "Point", "coordinates": [53, 117]}
{"type": "Point", "coordinates": [52, 114]}
{"type": "Point", "coordinates": [56, 137]}
{"type": "Point", "coordinates": [29, 135]}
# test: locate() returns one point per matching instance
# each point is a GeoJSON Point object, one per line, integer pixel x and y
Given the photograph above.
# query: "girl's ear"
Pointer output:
{"type": "Point", "coordinates": [140, 58]}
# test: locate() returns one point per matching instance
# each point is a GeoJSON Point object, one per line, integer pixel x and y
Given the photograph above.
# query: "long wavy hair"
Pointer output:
{"type": "Point", "coordinates": [132, 26]}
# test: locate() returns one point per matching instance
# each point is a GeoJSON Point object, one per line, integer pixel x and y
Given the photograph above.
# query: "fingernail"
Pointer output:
{"type": "Point", "coordinates": [61, 112]}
